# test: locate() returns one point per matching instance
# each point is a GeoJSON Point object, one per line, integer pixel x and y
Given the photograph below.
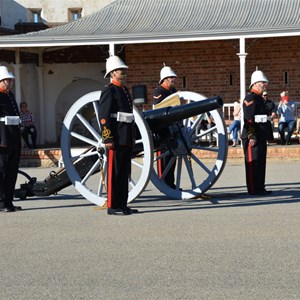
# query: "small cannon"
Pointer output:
{"type": "Point", "coordinates": [170, 130]}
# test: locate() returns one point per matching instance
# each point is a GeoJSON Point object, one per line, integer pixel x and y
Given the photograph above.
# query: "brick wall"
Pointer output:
{"type": "Point", "coordinates": [213, 67]}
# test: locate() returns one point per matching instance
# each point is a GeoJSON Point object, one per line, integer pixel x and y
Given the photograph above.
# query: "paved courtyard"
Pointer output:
{"type": "Point", "coordinates": [231, 246]}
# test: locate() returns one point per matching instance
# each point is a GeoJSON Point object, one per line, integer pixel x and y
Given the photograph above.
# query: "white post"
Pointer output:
{"type": "Point", "coordinates": [242, 55]}
{"type": "Point", "coordinates": [17, 66]}
{"type": "Point", "coordinates": [41, 134]}
{"type": "Point", "coordinates": [111, 49]}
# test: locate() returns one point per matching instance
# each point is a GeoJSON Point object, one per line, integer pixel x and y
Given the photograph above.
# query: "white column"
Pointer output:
{"type": "Point", "coordinates": [41, 134]}
{"type": "Point", "coordinates": [242, 55]}
{"type": "Point", "coordinates": [17, 75]}
{"type": "Point", "coordinates": [111, 49]}
{"type": "Point", "coordinates": [17, 67]}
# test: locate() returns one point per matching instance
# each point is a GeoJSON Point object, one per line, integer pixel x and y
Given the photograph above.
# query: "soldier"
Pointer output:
{"type": "Point", "coordinates": [255, 134]}
{"type": "Point", "coordinates": [166, 85]}
{"type": "Point", "coordinates": [117, 130]}
{"type": "Point", "coordinates": [166, 88]}
{"type": "Point", "coordinates": [10, 142]}
{"type": "Point", "coordinates": [271, 107]}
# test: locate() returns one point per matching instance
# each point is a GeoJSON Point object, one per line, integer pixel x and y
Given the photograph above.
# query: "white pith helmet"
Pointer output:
{"type": "Point", "coordinates": [166, 72]}
{"type": "Point", "coordinates": [4, 74]}
{"type": "Point", "coordinates": [258, 76]}
{"type": "Point", "coordinates": [114, 63]}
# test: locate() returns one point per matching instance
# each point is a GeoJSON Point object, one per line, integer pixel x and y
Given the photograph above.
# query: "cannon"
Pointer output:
{"type": "Point", "coordinates": [170, 130]}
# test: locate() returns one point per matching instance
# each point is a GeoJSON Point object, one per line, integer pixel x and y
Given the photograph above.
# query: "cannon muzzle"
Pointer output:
{"type": "Point", "coordinates": [161, 118]}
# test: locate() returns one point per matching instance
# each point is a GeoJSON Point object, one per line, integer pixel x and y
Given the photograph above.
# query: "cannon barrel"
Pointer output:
{"type": "Point", "coordinates": [161, 118]}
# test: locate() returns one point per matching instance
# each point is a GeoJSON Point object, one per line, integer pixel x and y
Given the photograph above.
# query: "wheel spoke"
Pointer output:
{"type": "Point", "coordinates": [89, 127]}
{"type": "Point", "coordinates": [178, 172]}
{"type": "Point", "coordinates": [161, 156]}
{"type": "Point", "coordinates": [83, 155]}
{"type": "Point", "coordinates": [84, 139]}
{"type": "Point", "coordinates": [96, 111]}
{"type": "Point", "coordinates": [91, 171]}
{"type": "Point", "coordinates": [137, 164]}
{"type": "Point", "coordinates": [201, 164]}
{"type": "Point", "coordinates": [168, 167]}
{"type": "Point", "coordinates": [195, 125]}
{"type": "Point", "coordinates": [190, 172]}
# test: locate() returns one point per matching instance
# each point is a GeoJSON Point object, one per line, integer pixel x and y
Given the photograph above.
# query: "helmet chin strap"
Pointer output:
{"type": "Point", "coordinates": [8, 85]}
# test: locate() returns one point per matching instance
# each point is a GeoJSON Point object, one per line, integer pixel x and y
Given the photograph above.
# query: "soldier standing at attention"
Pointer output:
{"type": "Point", "coordinates": [10, 142]}
{"type": "Point", "coordinates": [255, 134]}
{"type": "Point", "coordinates": [117, 130]}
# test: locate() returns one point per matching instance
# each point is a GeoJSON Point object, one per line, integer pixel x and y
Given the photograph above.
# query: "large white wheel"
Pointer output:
{"type": "Point", "coordinates": [194, 174]}
{"type": "Point", "coordinates": [84, 154]}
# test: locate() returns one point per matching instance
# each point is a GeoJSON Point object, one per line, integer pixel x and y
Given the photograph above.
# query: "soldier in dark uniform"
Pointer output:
{"type": "Point", "coordinates": [166, 88]}
{"type": "Point", "coordinates": [272, 112]}
{"type": "Point", "coordinates": [10, 142]}
{"type": "Point", "coordinates": [255, 133]}
{"type": "Point", "coordinates": [117, 130]}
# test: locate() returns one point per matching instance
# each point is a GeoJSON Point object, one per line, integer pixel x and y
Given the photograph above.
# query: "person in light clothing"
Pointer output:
{"type": "Point", "coordinates": [286, 110]}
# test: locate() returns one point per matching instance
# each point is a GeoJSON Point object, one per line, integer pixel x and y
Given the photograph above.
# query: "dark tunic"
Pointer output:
{"type": "Point", "coordinates": [10, 145]}
{"type": "Point", "coordinates": [160, 93]}
{"type": "Point", "coordinates": [116, 99]}
{"type": "Point", "coordinates": [9, 134]}
{"type": "Point", "coordinates": [255, 157]}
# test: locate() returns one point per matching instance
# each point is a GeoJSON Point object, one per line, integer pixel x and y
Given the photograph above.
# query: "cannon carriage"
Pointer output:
{"type": "Point", "coordinates": [174, 131]}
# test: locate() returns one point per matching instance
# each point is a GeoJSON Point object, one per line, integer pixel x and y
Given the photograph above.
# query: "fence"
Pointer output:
{"type": "Point", "coordinates": [228, 115]}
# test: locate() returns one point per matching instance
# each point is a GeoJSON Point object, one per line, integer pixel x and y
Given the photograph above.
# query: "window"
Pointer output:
{"type": "Point", "coordinates": [74, 14]}
{"type": "Point", "coordinates": [35, 15]}
{"type": "Point", "coordinates": [286, 78]}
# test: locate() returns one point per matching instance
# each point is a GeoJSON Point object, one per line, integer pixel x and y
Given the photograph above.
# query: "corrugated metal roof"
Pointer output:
{"type": "Point", "coordinates": [133, 21]}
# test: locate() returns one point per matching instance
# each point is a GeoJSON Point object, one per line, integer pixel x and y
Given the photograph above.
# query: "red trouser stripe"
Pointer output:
{"type": "Point", "coordinates": [159, 165]}
{"type": "Point", "coordinates": [250, 170]}
{"type": "Point", "coordinates": [109, 177]}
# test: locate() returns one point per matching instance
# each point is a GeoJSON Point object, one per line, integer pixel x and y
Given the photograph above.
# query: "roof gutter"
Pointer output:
{"type": "Point", "coordinates": [48, 41]}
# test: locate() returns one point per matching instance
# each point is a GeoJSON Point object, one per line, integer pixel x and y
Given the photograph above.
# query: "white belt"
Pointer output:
{"type": "Point", "coordinates": [11, 120]}
{"type": "Point", "coordinates": [123, 117]}
{"type": "Point", "coordinates": [260, 118]}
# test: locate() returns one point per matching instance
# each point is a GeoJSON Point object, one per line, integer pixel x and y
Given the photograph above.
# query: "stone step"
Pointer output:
{"type": "Point", "coordinates": [50, 157]}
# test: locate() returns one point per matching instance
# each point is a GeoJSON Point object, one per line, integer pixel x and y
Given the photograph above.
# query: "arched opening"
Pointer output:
{"type": "Point", "coordinates": [69, 95]}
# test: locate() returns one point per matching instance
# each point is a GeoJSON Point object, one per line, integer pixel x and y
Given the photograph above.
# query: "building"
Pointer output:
{"type": "Point", "coordinates": [214, 46]}
{"type": "Point", "coordinates": [74, 66]}
{"type": "Point", "coordinates": [51, 13]}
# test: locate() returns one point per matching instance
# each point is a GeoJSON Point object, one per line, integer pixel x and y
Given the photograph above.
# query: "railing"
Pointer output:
{"type": "Point", "coordinates": [228, 115]}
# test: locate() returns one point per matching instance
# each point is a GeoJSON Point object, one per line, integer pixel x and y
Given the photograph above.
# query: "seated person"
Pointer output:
{"type": "Point", "coordinates": [297, 132]}
{"type": "Point", "coordinates": [298, 126]}
{"type": "Point", "coordinates": [286, 109]}
{"type": "Point", "coordinates": [27, 126]}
